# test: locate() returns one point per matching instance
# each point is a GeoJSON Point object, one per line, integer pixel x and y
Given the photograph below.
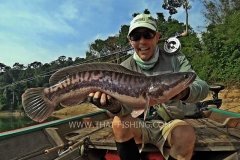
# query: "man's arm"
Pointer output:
{"type": "Point", "coordinates": [199, 89]}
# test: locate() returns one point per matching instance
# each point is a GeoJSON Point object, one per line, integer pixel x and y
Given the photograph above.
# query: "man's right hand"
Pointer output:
{"type": "Point", "coordinates": [104, 101]}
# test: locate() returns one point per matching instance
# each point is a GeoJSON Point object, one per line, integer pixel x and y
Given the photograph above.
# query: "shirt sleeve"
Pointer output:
{"type": "Point", "coordinates": [199, 88]}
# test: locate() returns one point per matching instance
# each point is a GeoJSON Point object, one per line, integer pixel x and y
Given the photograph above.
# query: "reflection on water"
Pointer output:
{"type": "Point", "coordinates": [14, 122]}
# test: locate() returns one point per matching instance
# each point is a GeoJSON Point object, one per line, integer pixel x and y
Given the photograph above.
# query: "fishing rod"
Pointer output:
{"type": "Point", "coordinates": [46, 74]}
{"type": "Point", "coordinates": [70, 146]}
{"type": "Point", "coordinates": [67, 147]}
{"type": "Point", "coordinates": [172, 44]}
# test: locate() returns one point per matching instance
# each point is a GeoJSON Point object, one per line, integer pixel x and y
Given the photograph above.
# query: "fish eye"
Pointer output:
{"type": "Point", "coordinates": [186, 76]}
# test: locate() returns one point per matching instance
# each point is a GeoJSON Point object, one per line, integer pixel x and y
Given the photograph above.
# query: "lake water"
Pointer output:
{"type": "Point", "coordinates": [14, 122]}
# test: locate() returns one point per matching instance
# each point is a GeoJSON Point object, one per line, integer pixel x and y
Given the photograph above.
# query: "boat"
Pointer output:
{"type": "Point", "coordinates": [90, 137]}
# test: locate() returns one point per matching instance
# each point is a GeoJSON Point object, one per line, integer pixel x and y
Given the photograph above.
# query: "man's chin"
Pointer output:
{"type": "Point", "coordinates": [145, 57]}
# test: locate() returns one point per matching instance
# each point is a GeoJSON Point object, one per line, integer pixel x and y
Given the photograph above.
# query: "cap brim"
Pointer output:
{"type": "Point", "coordinates": [137, 25]}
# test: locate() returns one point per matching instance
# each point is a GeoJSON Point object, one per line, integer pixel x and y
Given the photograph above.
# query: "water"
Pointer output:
{"type": "Point", "coordinates": [14, 122]}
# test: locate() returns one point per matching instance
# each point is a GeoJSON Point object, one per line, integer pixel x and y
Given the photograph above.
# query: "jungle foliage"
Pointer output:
{"type": "Point", "coordinates": [214, 54]}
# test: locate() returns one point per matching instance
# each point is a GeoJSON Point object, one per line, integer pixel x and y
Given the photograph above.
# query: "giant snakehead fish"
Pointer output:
{"type": "Point", "coordinates": [70, 86]}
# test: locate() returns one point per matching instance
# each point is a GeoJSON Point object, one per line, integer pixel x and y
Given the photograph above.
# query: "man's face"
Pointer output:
{"type": "Point", "coordinates": [144, 47]}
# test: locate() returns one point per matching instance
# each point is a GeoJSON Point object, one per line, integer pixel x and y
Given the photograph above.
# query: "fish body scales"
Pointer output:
{"type": "Point", "coordinates": [70, 86]}
{"type": "Point", "coordinates": [128, 89]}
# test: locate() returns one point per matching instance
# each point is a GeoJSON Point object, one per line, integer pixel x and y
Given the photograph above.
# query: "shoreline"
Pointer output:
{"type": "Point", "coordinates": [230, 98]}
{"type": "Point", "coordinates": [9, 113]}
{"type": "Point", "coordinates": [67, 112]}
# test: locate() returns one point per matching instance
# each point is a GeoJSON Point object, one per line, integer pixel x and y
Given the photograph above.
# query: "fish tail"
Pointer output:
{"type": "Point", "coordinates": [35, 105]}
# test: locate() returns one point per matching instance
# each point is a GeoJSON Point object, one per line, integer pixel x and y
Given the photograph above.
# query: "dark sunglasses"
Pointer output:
{"type": "Point", "coordinates": [136, 36]}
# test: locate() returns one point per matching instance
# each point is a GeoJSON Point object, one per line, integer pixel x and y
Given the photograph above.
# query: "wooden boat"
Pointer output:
{"type": "Point", "coordinates": [218, 137]}
{"type": "Point", "coordinates": [90, 137]}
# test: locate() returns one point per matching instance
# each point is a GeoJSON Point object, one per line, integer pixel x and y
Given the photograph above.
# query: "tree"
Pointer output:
{"type": "Point", "coordinates": [61, 60]}
{"type": "Point", "coordinates": [105, 48]}
{"type": "Point", "coordinates": [122, 39]}
{"type": "Point", "coordinates": [217, 10]}
{"type": "Point", "coordinates": [35, 64]}
{"type": "Point", "coordinates": [172, 5]}
{"type": "Point", "coordinates": [2, 66]}
{"type": "Point", "coordinates": [96, 49]}
{"type": "Point", "coordinates": [221, 40]}
{"type": "Point", "coordinates": [79, 60]}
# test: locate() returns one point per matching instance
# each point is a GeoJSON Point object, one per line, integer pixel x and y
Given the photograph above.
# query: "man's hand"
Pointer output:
{"type": "Point", "coordinates": [104, 101]}
{"type": "Point", "coordinates": [183, 95]}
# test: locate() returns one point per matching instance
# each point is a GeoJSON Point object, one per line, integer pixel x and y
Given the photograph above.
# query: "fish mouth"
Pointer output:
{"type": "Point", "coordinates": [190, 80]}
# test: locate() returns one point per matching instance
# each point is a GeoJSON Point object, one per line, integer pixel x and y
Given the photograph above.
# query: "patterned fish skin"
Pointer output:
{"type": "Point", "coordinates": [165, 86]}
{"type": "Point", "coordinates": [104, 80]}
{"type": "Point", "coordinates": [128, 87]}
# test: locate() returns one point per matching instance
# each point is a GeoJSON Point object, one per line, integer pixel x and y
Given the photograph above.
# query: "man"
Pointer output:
{"type": "Point", "coordinates": [151, 60]}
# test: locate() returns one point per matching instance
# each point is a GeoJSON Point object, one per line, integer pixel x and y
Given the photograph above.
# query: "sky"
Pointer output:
{"type": "Point", "coordinates": [43, 30]}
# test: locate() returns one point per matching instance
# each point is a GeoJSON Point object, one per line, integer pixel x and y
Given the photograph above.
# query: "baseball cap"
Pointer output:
{"type": "Point", "coordinates": [143, 20]}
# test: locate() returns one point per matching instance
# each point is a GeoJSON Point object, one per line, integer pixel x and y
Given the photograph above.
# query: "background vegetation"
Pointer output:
{"type": "Point", "coordinates": [214, 54]}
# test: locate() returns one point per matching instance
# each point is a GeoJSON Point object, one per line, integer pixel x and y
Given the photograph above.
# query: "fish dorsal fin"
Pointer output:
{"type": "Point", "coordinates": [104, 66]}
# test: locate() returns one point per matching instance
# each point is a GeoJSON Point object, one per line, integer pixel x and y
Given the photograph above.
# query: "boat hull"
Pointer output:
{"type": "Point", "coordinates": [61, 140]}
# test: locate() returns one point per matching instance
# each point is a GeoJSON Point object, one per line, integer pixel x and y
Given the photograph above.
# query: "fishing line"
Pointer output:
{"type": "Point", "coordinates": [47, 74]}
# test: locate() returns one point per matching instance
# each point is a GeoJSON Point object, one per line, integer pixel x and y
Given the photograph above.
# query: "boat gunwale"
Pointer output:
{"type": "Point", "coordinates": [36, 127]}
{"type": "Point", "coordinates": [229, 113]}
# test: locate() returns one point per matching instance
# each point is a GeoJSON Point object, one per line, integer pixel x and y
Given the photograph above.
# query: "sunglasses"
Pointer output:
{"type": "Point", "coordinates": [136, 36]}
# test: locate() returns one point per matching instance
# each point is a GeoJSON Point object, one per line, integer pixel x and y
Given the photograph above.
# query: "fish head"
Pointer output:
{"type": "Point", "coordinates": [165, 86]}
